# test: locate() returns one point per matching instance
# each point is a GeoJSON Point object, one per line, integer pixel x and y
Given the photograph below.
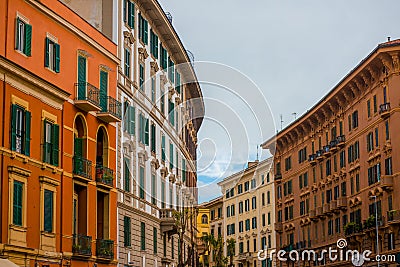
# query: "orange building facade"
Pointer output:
{"type": "Point", "coordinates": [58, 114]}
{"type": "Point", "coordinates": [336, 167]}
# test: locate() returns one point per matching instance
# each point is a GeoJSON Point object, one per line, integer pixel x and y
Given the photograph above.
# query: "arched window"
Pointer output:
{"type": "Point", "coordinates": [204, 219]}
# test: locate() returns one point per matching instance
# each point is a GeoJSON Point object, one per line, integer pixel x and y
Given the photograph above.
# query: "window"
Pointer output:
{"type": "Point", "coordinates": [253, 183]}
{"type": "Point", "coordinates": [246, 186]}
{"type": "Point", "coordinates": [240, 207]}
{"type": "Point", "coordinates": [154, 240]}
{"type": "Point", "coordinates": [263, 219]}
{"type": "Point", "coordinates": [143, 130]}
{"type": "Point", "coordinates": [163, 155]}
{"type": "Point", "coordinates": [369, 108]}
{"type": "Point", "coordinates": [355, 119]}
{"type": "Point", "coordinates": [212, 215]}
{"type": "Point", "coordinates": [20, 130]}
{"type": "Point", "coordinates": [387, 134]}
{"type": "Point", "coordinates": [388, 166]}
{"type": "Point", "coordinates": [288, 163]}
{"type": "Point", "coordinates": [171, 70]}
{"type": "Point", "coordinates": [162, 194]}
{"type": "Point", "coordinates": [376, 137]}
{"type": "Point", "coordinates": [153, 138]}
{"type": "Point", "coordinates": [240, 247]}
{"type": "Point", "coordinates": [127, 65]}
{"type": "Point", "coordinates": [254, 203]}
{"type": "Point", "coordinates": [141, 77]}
{"type": "Point", "coordinates": [232, 210]}
{"type": "Point", "coordinates": [142, 236]}
{"type": "Point", "coordinates": [342, 159]}
{"type": "Point", "coordinates": [262, 199]}
{"type": "Point", "coordinates": [302, 155]}
{"type": "Point", "coordinates": [153, 189]}
{"type": "Point", "coordinates": [52, 55]}
{"type": "Point", "coordinates": [23, 37]}
{"type": "Point", "coordinates": [127, 176]}
{"type": "Point", "coordinates": [183, 170]}
{"type": "Point", "coordinates": [48, 211]}
{"type": "Point", "coordinates": [268, 197]}
{"type": "Point", "coordinates": [374, 174]}
{"type": "Point", "coordinates": [164, 58]}
{"type": "Point", "coordinates": [17, 203]}
{"type": "Point", "coordinates": [375, 104]}
{"type": "Point", "coordinates": [127, 231]}
{"type": "Point", "coordinates": [153, 89]}
{"type": "Point", "coordinates": [178, 83]}
{"type": "Point", "coordinates": [328, 167]}
{"type": "Point", "coordinates": [171, 113]}
{"type": "Point", "coordinates": [241, 227]}
{"type": "Point", "coordinates": [141, 182]}
{"type": "Point", "coordinates": [129, 118]}
{"type": "Point", "coordinates": [171, 156]}
{"type": "Point", "coordinates": [337, 225]}
{"type": "Point", "coordinates": [143, 29]}
{"type": "Point", "coordinates": [129, 13]}
{"type": "Point", "coordinates": [228, 211]}
{"type": "Point", "coordinates": [153, 44]}
{"type": "Point", "coordinates": [269, 218]}
{"type": "Point", "coordinates": [246, 205]}
{"type": "Point", "coordinates": [247, 222]}
{"type": "Point", "coordinates": [50, 143]}
{"type": "Point", "coordinates": [240, 189]}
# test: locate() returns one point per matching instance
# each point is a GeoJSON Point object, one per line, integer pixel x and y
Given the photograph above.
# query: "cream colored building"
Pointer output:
{"type": "Point", "coordinates": [249, 212]}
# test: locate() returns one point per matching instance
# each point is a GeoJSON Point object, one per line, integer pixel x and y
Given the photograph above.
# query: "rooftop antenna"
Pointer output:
{"type": "Point", "coordinates": [294, 114]}
{"type": "Point", "coordinates": [281, 121]}
{"type": "Point", "coordinates": [257, 152]}
{"type": "Point", "coordinates": [388, 38]}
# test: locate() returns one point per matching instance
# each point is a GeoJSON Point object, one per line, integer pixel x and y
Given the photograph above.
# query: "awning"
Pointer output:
{"type": "Point", "coordinates": [7, 263]}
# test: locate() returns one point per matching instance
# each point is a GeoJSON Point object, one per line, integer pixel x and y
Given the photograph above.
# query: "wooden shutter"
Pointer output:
{"type": "Point", "coordinates": [127, 184]}
{"type": "Point", "coordinates": [17, 20]}
{"type": "Point", "coordinates": [146, 132]}
{"type": "Point", "coordinates": [13, 127]}
{"type": "Point", "coordinates": [146, 32]}
{"type": "Point", "coordinates": [132, 14]}
{"type": "Point", "coordinates": [55, 143]}
{"type": "Point", "coordinates": [47, 52]}
{"type": "Point", "coordinates": [132, 118]}
{"type": "Point", "coordinates": [27, 146]}
{"type": "Point", "coordinates": [48, 211]}
{"type": "Point", "coordinates": [103, 90]}
{"type": "Point", "coordinates": [57, 63]}
{"type": "Point", "coordinates": [155, 240]}
{"type": "Point", "coordinates": [28, 40]}
{"type": "Point", "coordinates": [142, 236]}
{"type": "Point", "coordinates": [17, 203]}
{"type": "Point", "coordinates": [163, 148]}
{"type": "Point", "coordinates": [124, 9]}
{"type": "Point", "coordinates": [78, 147]}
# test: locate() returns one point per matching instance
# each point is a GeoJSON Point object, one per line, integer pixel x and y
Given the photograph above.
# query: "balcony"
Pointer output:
{"type": "Point", "coordinates": [320, 154]}
{"type": "Point", "coordinates": [105, 249]}
{"type": "Point", "coordinates": [342, 203]}
{"type": "Point", "coordinates": [340, 140]}
{"type": "Point", "coordinates": [393, 216]}
{"type": "Point", "coordinates": [312, 159]}
{"type": "Point", "coordinates": [110, 110]}
{"type": "Point", "coordinates": [278, 176]}
{"type": "Point", "coordinates": [82, 168]}
{"type": "Point", "coordinates": [387, 182]}
{"type": "Point", "coordinates": [313, 215]}
{"type": "Point", "coordinates": [384, 110]}
{"type": "Point", "coordinates": [82, 245]}
{"type": "Point", "coordinates": [319, 212]}
{"type": "Point", "coordinates": [352, 228]}
{"type": "Point", "coordinates": [333, 145]}
{"type": "Point", "coordinates": [278, 227]}
{"type": "Point", "coordinates": [244, 256]}
{"type": "Point", "coordinates": [327, 150]}
{"type": "Point", "coordinates": [333, 206]}
{"type": "Point", "coordinates": [87, 97]}
{"type": "Point", "coordinates": [167, 221]}
{"type": "Point", "coordinates": [327, 208]}
{"type": "Point", "coordinates": [104, 175]}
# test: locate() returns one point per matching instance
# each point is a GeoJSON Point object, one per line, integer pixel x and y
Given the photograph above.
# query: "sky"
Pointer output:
{"type": "Point", "coordinates": [294, 52]}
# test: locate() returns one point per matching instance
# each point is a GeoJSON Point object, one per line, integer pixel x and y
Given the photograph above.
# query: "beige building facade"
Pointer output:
{"type": "Point", "coordinates": [249, 212]}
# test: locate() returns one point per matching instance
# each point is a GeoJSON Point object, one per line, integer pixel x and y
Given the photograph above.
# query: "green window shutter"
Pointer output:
{"type": "Point", "coordinates": [154, 240]}
{"type": "Point", "coordinates": [163, 148]}
{"type": "Point", "coordinates": [103, 90]}
{"type": "Point", "coordinates": [132, 15]}
{"type": "Point", "coordinates": [81, 69]}
{"type": "Point", "coordinates": [27, 146]}
{"type": "Point", "coordinates": [171, 156]}
{"type": "Point", "coordinates": [124, 9]}
{"type": "Point", "coordinates": [28, 40]}
{"type": "Point", "coordinates": [132, 120]}
{"type": "Point", "coordinates": [141, 182]}
{"type": "Point", "coordinates": [57, 63]}
{"type": "Point", "coordinates": [126, 117]}
{"type": "Point", "coordinates": [45, 146]}
{"type": "Point", "coordinates": [140, 26]}
{"type": "Point", "coordinates": [55, 144]}
{"type": "Point", "coordinates": [17, 203]}
{"type": "Point", "coordinates": [142, 236]}
{"type": "Point", "coordinates": [47, 52]}
{"type": "Point", "coordinates": [127, 184]}
{"type": "Point", "coordinates": [156, 46]}
{"type": "Point", "coordinates": [146, 132]}
{"type": "Point", "coordinates": [178, 82]}
{"type": "Point", "coordinates": [153, 138]}
{"type": "Point", "coordinates": [13, 127]}
{"type": "Point", "coordinates": [146, 32]}
{"type": "Point", "coordinates": [183, 170]}
{"type": "Point", "coordinates": [48, 211]}
{"type": "Point", "coordinates": [78, 147]}
{"type": "Point", "coordinates": [127, 231]}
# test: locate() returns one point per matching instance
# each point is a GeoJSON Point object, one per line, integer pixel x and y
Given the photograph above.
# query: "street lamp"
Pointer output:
{"type": "Point", "coordinates": [376, 226]}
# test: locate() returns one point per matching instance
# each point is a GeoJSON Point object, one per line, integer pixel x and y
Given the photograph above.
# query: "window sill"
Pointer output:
{"type": "Point", "coordinates": [18, 228]}
{"type": "Point", "coordinates": [21, 53]}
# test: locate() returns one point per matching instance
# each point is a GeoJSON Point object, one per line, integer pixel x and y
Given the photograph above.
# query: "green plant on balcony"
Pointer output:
{"type": "Point", "coordinates": [105, 252]}
{"type": "Point", "coordinates": [76, 247]}
{"type": "Point", "coordinates": [370, 222]}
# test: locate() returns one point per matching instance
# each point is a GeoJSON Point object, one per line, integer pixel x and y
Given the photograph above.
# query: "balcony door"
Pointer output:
{"type": "Point", "coordinates": [102, 215]}
{"type": "Point", "coordinates": [81, 77]}
{"type": "Point", "coordinates": [103, 90]}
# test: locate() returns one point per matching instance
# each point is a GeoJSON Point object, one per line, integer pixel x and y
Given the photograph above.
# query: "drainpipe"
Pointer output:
{"type": "Point", "coordinates": [61, 189]}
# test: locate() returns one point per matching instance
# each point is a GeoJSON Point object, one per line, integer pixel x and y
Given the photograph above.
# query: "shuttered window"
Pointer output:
{"type": "Point", "coordinates": [171, 156]}
{"type": "Point", "coordinates": [48, 211]}
{"type": "Point", "coordinates": [143, 130]}
{"type": "Point", "coordinates": [142, 236]}
{"type": "Point", "coordinates": [153, 189]}
{"type": "Point", "coordinates": [52, 55]}
{"type": "Point", "coordinates": [141, 183]}
{"type": "Point", "coordinates": [127, 65]}
{"type": "Point", "coordinates": [164, 58]}
{"type": "Point", "coordinates": [129, 118]}
{"type": "Point", "coordinates": [127, 231]}
{"type": "Point", "coordinates": [17, 203]}
{"type": "Point", "coordinates": [178, 82]}
{"type": "Point", "coordinates": [141, 77]}
{"type": "Point", "coordinates": [163, 156]}
{"type": "Point", "coordinates": [20, 130]}
{"type": "Point", "coordinates": [127, 176]}
{"type": "Point", "coordinates": [171, 112]}
{"type": "Point", "coordinates": [129, 13]}
{"type": "Point", "coordinates": [153, 44]}
{"type": "Point", "coordinates": [143, 29]}
{"type": "Point", "coordinates": [183, 170]}
{"type": "Point", "coordinates": [51, 143]}
{"type": "Point", "coordinates": [23, 37]}
{"type": "Point", "coordinates": [103, 91]}
{"type": "Point", "coordinates": [171, 70]}
{"type": "Point", "coordinates": [153, 138]}
{"type": "Point", "coordinates": [155, 240]}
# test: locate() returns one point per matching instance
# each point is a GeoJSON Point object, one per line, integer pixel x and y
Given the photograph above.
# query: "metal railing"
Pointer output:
{"type": "Point", "coordinates": [104, 175]}
{"type": "Point", "coordinates": [82, 167]}
{"type": "Point", "coordinates": [87, 92]}
{"type": "Point", "coordinates": [82, 245]}
{"type": "Point", "coordinates": [393, 215]}
{"type": "Point", "coordinates": [384, 108]}
{"type": "Point", "coordinates": [111, 105]}
{"type": "Point", "coordinates": [105, 248]}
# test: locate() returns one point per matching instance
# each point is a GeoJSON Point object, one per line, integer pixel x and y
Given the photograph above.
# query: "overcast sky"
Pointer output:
{"type": "Point", "coordinates": [295, 51]}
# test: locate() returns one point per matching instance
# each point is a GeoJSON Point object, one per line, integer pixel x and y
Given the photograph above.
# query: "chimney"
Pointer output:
{"type": "Point", "coordinates": [388, 38]}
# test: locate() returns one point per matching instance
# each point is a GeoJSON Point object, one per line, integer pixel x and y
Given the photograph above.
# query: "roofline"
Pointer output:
{"type": "Point", "coordinates": [330, 93]}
